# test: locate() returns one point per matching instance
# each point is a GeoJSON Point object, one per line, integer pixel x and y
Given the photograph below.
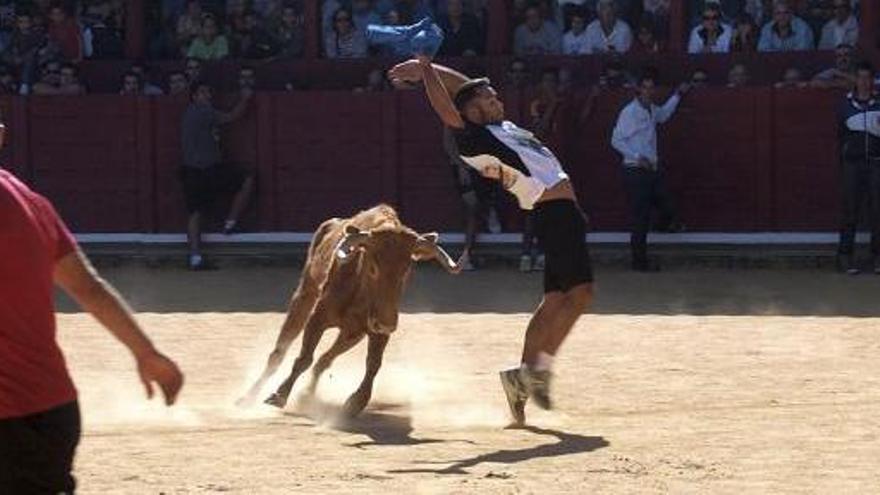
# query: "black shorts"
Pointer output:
{"type": "Point", "coordinates": [36, 451]}
{"type": "Point", "coordinates": [561, 229]}
{"type": "Point", "coordinates": [201, 187]}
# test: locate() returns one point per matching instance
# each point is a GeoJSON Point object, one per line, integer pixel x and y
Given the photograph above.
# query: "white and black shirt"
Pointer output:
{"type": "Point", "coordinates": [517, 148]}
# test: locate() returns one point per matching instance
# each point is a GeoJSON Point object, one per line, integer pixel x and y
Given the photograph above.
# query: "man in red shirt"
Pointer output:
{"type": "Point", "coordinates": [65, 32]}
{"type": "Point", "coordinates": [39, 415]}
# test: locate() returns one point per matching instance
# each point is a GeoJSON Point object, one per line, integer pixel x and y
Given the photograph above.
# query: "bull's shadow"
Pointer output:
{"type": "Point", "coordinates": [567, 444]}
{"type": "Point", "coordinates": [383, 423]}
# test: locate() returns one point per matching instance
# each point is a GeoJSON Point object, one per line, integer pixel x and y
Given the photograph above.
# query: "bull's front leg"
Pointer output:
{"type": "Point", "coordinates": [359, 399]}
{"type": "Point", "coordinates": [312, 336]}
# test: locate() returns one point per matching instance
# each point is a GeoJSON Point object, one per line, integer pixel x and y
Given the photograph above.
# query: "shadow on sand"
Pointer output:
{"type": "Point", "coordinates": [380, 423]}
{"type": "Point", "coordinates": [567, 444]}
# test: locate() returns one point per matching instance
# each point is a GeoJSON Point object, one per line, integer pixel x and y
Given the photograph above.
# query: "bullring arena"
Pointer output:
{"type": "Point", "coordinates": [699, 380]}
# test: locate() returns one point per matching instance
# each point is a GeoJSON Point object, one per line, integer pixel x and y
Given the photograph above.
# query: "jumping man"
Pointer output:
{"type": "Point", "coordinates": [530, 171]}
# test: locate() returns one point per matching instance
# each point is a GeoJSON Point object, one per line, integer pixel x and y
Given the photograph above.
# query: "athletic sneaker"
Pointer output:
{"type": "Point", "coordinates": [846, 264]}
{"type": "Point", "coordinates": [538, 386]}
{"type": "Point", "coordinates": [525, 263]}
{"type": "Point", "coordinates": [466, 265]}
{"type": "Point", "coordinates": [516, 394]}
{"type": "Point", "coordinates": [540, 261]}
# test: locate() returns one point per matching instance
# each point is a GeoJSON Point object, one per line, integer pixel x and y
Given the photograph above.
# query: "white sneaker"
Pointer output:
{"type": "Point", "coordinates": [539, 263]}
{"type": "Point", "coordinates": [492, 222]}
{"type": "Point", "coordinates": [525, 263]}
{"type": "Point", "coordinates": [467, 266]}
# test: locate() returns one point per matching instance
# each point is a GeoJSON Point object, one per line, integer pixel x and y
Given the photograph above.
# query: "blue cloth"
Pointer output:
{"type": "Point", "coordinates": [421, 38]}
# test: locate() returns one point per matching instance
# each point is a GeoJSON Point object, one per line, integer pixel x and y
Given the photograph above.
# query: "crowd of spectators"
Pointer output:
{"type": "Point", "coordinates": [41, 42]}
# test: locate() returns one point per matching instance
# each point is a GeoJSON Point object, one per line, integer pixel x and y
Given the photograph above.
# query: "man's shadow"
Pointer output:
{"type": "Point", "coordinates": [567, 444]}
{"type": "Point", "coordinates": [379, 423]}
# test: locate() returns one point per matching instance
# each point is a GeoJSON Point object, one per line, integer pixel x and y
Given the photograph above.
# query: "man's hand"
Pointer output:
{"type": "Point", "coordinates": [154, 367]}
{"type": "Point", "coordinates": [645, 163]}
{"type": "Point", "coordinates": [405, 73]}
{"type": "Point", "coordinates": [684, 88]}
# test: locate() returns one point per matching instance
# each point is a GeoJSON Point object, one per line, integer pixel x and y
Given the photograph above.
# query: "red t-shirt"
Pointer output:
{"type": "Point", "coordinates": [68, 36]}
{"type": "Point", "coordinates": [33, 375]}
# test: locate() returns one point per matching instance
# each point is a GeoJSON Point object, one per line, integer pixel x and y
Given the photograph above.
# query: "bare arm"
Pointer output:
{"type": "Point", "coordinates": [439, 96]}
{"type": "Point", "coordinates": [78, 278]}
{"type": "Point", "coordinates": [410, 72]}
{"type": "Point", "coordinates": [238, 110]}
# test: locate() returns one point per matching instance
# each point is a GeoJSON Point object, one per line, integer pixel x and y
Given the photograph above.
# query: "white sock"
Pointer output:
{"type": "Point", "coordinates": [544, 362]}
{"type": "Point", "coordinates": [195, 259]}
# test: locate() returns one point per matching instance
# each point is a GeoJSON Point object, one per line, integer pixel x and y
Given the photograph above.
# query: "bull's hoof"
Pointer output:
{"type": "Point", "coordinates": [354, 406]}
{"type": "Point", "coordinates": [276, 400]}
{"type": "Point", "coordinates": [246, 401]}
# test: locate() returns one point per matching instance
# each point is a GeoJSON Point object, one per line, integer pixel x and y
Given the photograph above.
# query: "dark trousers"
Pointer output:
{"type": "Point", "coordinates": [861, 189]}
{"type": "Point", "coordinates": [36, 452]}
{"type": "Point", "coordinates": [647, 190]}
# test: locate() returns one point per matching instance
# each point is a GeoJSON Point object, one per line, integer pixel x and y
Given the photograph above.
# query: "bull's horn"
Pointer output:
{"type": "Point", "coordinates": [353, 239]}
{"type": "Point", "coordinates": [427, 248]}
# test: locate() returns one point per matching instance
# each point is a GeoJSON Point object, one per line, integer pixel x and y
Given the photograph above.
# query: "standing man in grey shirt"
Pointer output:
{"type": "Point", "coordinates": [203, 174]}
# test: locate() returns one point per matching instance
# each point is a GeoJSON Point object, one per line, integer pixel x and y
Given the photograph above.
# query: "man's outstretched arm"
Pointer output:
{"type": "Point", "coordinates": [78, 278]}
{"type": "Point", "coordinates": [411, 72]}
{"type": "Point", "coordinates": [439, 96]}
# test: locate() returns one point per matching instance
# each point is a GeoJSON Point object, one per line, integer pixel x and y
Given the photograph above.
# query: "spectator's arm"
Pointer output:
{"type": "Point", "coordinates": [78, 278]}
{"type": "Point", "coordinates": [237, 111]}
{"type": "Point", "coordinates": [694, 45]}
{"type": "Point", "coordinates": [589, 105]}
{"type": "Point", "coordinates": [439, 96]}
{"type": "Point", "coordinates": [764, 40]}
{"type": "Point", "coordinates": [223, 50]}
{"type": "Point", "coordinates": [626, 39]}
{"type": "Point", "coordinates": [665, 112]}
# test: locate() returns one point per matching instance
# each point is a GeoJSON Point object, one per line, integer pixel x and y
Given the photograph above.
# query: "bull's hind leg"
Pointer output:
{"type": "Point", "coordinates": [314, 331]}
{"type": "Point", "coordinates": [359, 399]}
{"type": "Point", "coordinates": [301, 306]}
{"type": "Point", "coordinates": [344, 341]}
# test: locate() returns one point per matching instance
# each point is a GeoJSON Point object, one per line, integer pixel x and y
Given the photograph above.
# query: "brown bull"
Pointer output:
{"type": "Point", "coordinates": [353, 279]}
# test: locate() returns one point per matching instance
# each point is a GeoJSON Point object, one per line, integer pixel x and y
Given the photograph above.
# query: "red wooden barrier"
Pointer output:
{"type": "Point", "coordinates": [805, 157]}
{"type": "Point", "coordinates": [83, 154]}
{"type": "Point", "coordinates": [738, 160]}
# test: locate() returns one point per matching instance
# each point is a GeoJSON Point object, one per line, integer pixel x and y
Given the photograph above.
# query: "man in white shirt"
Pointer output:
{"type": "Point", "coordinates": [635, 138]}
{"type": "Point", "coordinates": [843, 29]}
{"type": "Point", "coordinates": [608, 33]}
{"type": "Point", "coordinates": [537, 36]}
{"type": "Point", "coordinates": [574, 42]}
{"type": "Point", "coordinates": [786, 32]}
{"type": "Point", "coordinates": [712, 36]}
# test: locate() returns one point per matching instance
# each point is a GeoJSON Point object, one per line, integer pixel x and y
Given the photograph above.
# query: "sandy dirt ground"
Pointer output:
{"type": "Point", "coordinates": [698, 381]}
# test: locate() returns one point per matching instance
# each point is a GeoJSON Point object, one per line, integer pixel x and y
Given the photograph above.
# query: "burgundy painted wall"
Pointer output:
{"type": "Point", "coordinates": [754, 159]}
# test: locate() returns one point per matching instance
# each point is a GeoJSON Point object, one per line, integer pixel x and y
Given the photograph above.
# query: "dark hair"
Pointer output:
{"type": "Point", "coordinates": [209, 17]}
{"type": "Point", "coordinates": [468, 91]}
{"type": "Point", "coordinates": [196, 85]}
{"type": "Point", "coordinates": [865, 66]}
{"type": "Point", "coordinates": [649, 74]}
